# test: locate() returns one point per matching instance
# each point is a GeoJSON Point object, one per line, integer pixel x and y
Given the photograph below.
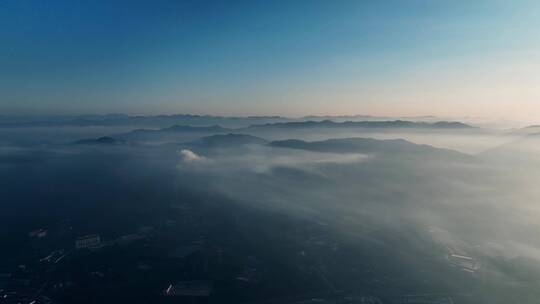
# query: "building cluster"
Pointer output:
{"type": "Point", "coordinates": [425, 299]}
{"type": "Point", "coordinates": [189, 289]}
{"type": "Point", "coordinates": [88, 242]}
{"type": "Point", "coordinates": [464, 262]}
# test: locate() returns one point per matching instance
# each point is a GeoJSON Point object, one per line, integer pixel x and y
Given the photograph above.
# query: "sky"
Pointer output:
{"type": "Point", "coordinates": [293, 58]}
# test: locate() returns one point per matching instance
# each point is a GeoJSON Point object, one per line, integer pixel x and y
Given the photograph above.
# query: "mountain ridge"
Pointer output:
{"type": "Point", "coordinates": [365, 124]}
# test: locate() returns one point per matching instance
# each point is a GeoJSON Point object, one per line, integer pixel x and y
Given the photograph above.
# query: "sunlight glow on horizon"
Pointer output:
{"type": "Point", "coordinates": [392, 58]}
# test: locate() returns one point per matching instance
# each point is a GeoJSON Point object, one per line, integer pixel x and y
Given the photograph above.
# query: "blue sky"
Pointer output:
{"type": "Point", "coordinates": [448, 58]}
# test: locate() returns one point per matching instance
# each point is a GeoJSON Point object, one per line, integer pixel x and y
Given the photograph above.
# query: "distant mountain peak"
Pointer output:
{"type": "Point", "coordinates": [366, 124]}
{"type": "Point", "coordinates": [180, 129]}
{"type": "Point", "coordinates": [188, 128]}
{"type": "Point", "coordinates": [366, 146]}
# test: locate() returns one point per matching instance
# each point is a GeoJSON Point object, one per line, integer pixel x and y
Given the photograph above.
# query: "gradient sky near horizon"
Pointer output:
{"type": "Point", "coordinates": [403, 58]}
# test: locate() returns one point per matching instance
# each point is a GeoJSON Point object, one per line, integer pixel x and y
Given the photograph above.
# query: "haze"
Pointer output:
{"type": "Point", "coordinates": [265, 152]}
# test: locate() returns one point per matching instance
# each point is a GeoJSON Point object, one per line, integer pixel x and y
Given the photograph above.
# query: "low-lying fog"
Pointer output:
{"type": "Point", "coordinates": [466, 192]}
